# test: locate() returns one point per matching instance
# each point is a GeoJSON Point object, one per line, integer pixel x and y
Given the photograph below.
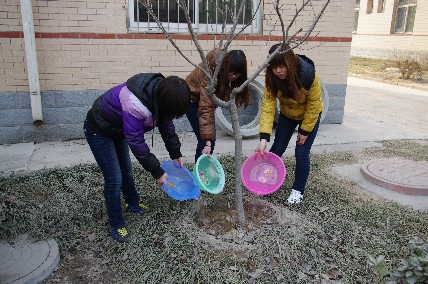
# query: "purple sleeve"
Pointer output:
{"type": "Point", "coordinates": [170, 138]}
{"type": "Point", "coordinates": [135, 118]}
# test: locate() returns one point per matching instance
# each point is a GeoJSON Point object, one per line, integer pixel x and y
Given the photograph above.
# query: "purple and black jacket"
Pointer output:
{"type": "Point", "coordinates": [128, 111]}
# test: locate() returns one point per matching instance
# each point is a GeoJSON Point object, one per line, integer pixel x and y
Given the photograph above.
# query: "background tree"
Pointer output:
{"type": "Point", "coordinates": [227, 11]}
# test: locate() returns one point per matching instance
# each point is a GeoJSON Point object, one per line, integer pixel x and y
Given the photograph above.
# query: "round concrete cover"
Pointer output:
{"type": "Point", "coordinates": [398, 174]}
{"type": "Point", "coordinates": [26, 262]}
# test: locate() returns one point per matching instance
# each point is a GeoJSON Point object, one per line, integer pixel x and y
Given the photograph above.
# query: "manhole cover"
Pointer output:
{"type": "Point", "coordinates": [405, 176]}
{"type": "Point", "coordinates": [28, 262]}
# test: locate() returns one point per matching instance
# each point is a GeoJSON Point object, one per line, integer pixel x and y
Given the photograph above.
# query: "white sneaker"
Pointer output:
{"type": "Point", "coordinates": [295, 197]}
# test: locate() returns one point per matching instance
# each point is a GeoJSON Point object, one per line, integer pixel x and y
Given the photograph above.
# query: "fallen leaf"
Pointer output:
{"type": "Point", "coordinates": [323, 208]}
{"type": "Point", "coordinates": [91, 237]}
{"type": "Point", "coordinates": [334, 274]}
{"type": "Point", "coordinates": [301, 275]}
{"type": "Point", "coordinates": [251, 266]}
{"type": "Point", "coordinates": [257, 273]}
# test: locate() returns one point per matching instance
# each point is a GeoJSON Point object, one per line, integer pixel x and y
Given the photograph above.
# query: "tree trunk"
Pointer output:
{"type": "Point", "coordinates": [239, 201]}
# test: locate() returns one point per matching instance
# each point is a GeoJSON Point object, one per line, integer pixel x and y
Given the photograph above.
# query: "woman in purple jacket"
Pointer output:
{"type": "Point", "coordinates": [119, 118]}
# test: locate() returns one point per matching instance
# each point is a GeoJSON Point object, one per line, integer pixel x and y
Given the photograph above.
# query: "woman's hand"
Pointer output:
{"type": "Point", "coordinates": [162, 180]}
{"type": "Point", "coordinates": [207, 149]}
{"type": "Point", "coordinates": [179, 161]}
{"type": "Point", "coordinates": [261, 148]}
{"type": "Point", "coordinates": [301, 139]}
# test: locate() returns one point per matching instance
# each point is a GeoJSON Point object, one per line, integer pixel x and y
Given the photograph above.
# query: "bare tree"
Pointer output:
{"type": "Point", "coordinates": [293, 40]}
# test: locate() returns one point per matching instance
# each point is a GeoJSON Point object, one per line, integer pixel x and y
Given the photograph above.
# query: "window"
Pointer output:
{"type": "Point", "coordinates": [381, 6]}
{"type": "Point", "coordinates": [356, 15]}
{"type": "Point", "coordinates": [405, 16]}
{"type": "Point", "coordinates": [205, 15]}
{"type": "Point", "coordinates": [369, 7]}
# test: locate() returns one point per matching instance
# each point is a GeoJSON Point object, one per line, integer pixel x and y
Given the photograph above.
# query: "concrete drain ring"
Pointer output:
{"type": "Point", "coordinates": [401, 175]}
{"type": "Point", "coordinates": [28, 262]}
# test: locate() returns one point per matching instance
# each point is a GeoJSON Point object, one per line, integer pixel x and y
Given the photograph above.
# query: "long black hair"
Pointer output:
{"type": "Point", "coordinates": [173, 97]}
{"type": "Point", "coordinates": [233, 62]}
{"type": "Point", "coordinates": [291, 85]}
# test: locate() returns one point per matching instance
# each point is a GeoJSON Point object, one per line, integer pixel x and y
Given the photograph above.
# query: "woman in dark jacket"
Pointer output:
{"type": "Point", "coordinates": [119, 118]}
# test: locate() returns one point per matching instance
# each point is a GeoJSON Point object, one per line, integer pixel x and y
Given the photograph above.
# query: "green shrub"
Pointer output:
{"type": "Point", "coordinates": [413, 269]}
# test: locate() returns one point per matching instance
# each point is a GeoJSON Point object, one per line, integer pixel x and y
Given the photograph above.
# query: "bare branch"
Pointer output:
{"type": "Point", "coordinates": [194, 39]}
{"type": "Point", "coordinates": [220, 56]}
{"type": "Point", "coordinates": [280, 18]}
{"type": "Point", "coordinates": [235, 20]}
{"type": "Point", "coordinates": [164, 31]}
{"type": "Point", "coordinates": [285, 32]}
{"type": "Point", "coordinates": [249, 22]}
{"type": "Point", "coordinates": [316, 20]}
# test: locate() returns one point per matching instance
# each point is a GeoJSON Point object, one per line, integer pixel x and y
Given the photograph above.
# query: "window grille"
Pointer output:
{"type": "Point", "coordinates": [356, 15]}
{"type": "Point", "coordinates": [405, 16]}
{"type": "Point", "coordinates": [205, 15]}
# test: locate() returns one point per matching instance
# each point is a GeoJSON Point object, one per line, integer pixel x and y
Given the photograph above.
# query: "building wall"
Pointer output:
{"type": "Point", "coordinates": [83, 49]}
{"type": "Point", "coordinates": [375, 23]}
{"type": "Point", "coordinates": [421, 19]}
{"type": "Point", "coordinates": [374, 38]}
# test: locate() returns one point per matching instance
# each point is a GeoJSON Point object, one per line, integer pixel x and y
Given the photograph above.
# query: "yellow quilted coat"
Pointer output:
{"type": "Point", "coordinates": [307, 109]}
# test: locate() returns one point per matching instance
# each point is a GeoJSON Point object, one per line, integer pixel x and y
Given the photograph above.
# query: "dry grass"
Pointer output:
{"type": "Point", "coordinates": [326, 240]}
{"type": "Point", "coordinates": [385, 70]}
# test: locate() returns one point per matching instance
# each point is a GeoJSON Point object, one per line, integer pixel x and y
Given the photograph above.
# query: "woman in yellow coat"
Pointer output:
{"type": "Point", "coordinates": [292, 80]}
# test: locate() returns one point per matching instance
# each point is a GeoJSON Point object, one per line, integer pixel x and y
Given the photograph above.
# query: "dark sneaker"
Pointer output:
{"type": "Point", "coordinates": [138, 209]}
{"type": "Point", "coordinates": [120, 234]}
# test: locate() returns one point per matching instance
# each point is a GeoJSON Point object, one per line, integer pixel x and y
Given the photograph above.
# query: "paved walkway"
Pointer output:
{"type": "Point", "coordinates": [373, 112]}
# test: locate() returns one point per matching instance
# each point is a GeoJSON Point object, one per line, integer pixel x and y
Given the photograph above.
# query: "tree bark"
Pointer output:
{"type": "Point", "coordinates": [239, 200]}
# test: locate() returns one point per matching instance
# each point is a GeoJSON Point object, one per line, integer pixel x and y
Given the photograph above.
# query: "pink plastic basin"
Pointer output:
{"type": "Point", "coordinates": [263, 175]}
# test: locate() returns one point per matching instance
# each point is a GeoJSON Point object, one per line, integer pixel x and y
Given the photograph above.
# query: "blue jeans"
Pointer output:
{"type": "Point", "coordinates": [284, 130]}
{"type": "Point", "coordinates": [112, 156]}
{"type": "Point", "coordinates": [193, 117]}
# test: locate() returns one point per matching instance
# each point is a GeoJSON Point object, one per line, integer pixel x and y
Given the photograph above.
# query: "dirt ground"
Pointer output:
{"type": "Point", "coordinates": [216, 226]}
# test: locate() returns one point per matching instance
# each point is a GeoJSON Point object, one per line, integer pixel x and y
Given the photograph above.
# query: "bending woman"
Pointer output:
{"type": "Point", "coordinates": [120, 118]}
{"type": "Point", "coordinates": [232, 73]}
{"type": "Point", "coordinates": [292, 80]}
